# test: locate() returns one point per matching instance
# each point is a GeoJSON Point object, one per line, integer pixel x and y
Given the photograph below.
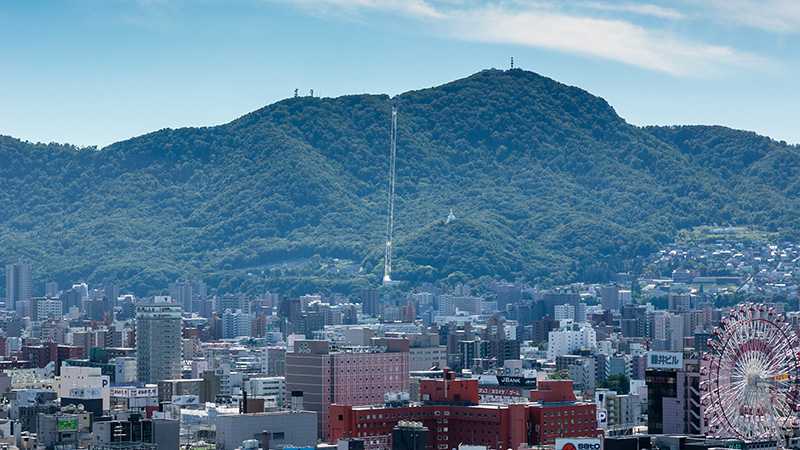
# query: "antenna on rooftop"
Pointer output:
{"type": "Point", "coordinates": [387, 258]}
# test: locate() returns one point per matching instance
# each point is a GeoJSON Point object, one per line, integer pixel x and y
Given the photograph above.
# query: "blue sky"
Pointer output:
{"type": "Point", "coordinates": [91, 72]}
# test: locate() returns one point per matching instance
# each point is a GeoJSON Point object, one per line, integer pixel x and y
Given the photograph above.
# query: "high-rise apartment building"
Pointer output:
{"type": "Point", "coordinates": [609, 298]}
{"type": "Point", "coordinates": [564, 312]}
{"type": "Point", "coordinates": [181, 293]}
{"type": "Point", "coordinates": [235, 324]}
{"type": "Point", "coordinates": [565, 341]}
{"type": "Point", "coordinates": [82, 290]}
{"type": "Point", "coordinates": [51, 289]}
{"type": "Point", "coordinates": [370, 301]}
{"type": "Point", "coordinates": [582, 370]}
{"type": "Point", "coordinates": [158, 340]}
{"type": "Point", "coordinates": [43, 308]}
{"type": "Point", "coordinates": [18, 285]}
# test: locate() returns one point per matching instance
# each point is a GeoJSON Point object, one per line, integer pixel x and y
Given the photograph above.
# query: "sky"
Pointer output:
{"type": "Point", "coordinates": [93, 72]}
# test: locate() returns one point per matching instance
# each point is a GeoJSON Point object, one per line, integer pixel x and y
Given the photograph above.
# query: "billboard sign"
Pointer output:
{"type": "Point", "coordinates": [504, 380]}
{"type": "Point", "coordinates": [501, 395]}
{"type": "Point", "coordinates": [664, 360]}
{"type": "Point", "coordinates": [130, 392]}
{"type": "Point", "coordinates": [67, 424]}
{"type": "Point", "coordinates": [578, 444]}
{"type": "Point", "coordinates": [85, 393]}
{"type": "Point", "coordinates": [602, 418]}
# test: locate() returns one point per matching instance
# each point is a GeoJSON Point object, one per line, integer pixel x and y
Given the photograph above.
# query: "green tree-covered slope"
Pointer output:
{"type": "Point", "coordinates": [546, 181]}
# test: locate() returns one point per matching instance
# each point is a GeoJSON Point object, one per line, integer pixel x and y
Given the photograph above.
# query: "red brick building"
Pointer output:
{"type": "Point", "coordinates": [557, 413]}
{"type": "Point", "coordinates": [329, 374]}
{"type": "Point", "coordinates": [449, 390]}
{"type": "Point", "coordinates": [451, 412]}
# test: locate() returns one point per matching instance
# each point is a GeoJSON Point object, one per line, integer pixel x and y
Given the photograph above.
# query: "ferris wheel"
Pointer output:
{"type": "Point", "coordinates": [750, 376]}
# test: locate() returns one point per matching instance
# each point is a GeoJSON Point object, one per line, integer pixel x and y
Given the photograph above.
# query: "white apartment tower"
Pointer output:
{"type": "Point", "coordinates": [565, 341]}
{"type": "Point", "coordinates": [158, 340]}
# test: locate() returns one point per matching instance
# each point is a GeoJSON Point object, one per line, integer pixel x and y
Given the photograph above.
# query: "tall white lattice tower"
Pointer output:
{"type": "Point", "coordinates": [387, 258]}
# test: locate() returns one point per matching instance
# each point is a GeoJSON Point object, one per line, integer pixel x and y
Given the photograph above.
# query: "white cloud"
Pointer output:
{"type": "Point", "coordinates": [642, 9]}
{"type": "Point", "coordinates": [547, 24]}
{"type": "Point", "coordinates": [777, 16]}
{"type": "Point", "coordinates": [414, 8]}
{"type": "Point", "coordinates": [615, 40]}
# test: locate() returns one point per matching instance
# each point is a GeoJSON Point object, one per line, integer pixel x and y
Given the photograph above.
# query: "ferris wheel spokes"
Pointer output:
{"type": "Point", "coordinates": [749, 377]}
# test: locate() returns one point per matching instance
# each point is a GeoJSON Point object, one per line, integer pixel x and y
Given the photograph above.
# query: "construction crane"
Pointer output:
{"type": "Point", "coordinates": [387, 258]}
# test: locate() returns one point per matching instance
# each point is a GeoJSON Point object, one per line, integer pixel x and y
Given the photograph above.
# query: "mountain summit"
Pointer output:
{"type": "Point", "coordinates": [547, 183]}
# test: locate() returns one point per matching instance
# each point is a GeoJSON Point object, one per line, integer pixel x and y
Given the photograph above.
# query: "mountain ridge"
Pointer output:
{"type": "Point", "coordinates": [547, 182]}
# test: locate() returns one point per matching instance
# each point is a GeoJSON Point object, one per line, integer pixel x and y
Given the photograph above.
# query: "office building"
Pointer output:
{"type": "Point", "coordinates": [272, 389]}
{"type": "Point", "coordinates": [424, 358]}
{"type": "Point", "coordinates": [169, 389]}
{"type": "Point", "coordinates": [135, 432]}
{"type": "Point", "coordinates": [582, 370]}
{"type": "Point", "coordinates": [410, 436]}
{"type": "Point", "coordinates": [67, 428]}
{"type": "Point", "coordinates": [370, 301]}
{"type": "Point", "coordinates": [124, 369]}
{"type": "Point", "coordinates": [673, 400]}
{"type": "Point", "coordinates": [284, 428]}
{"type": "Point", "coordinates": [622, 412]}
{"type": "Point", "coordinates": [450, 304]}
{"type": "Point", "coordinates": [609, 298]}
{"type": "Point", "coordinates": [86, 386]}
{"type": "Point", "coordinates": [356, 375]}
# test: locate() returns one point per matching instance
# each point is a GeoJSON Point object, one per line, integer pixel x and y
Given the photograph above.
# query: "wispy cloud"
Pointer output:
{"type": "Point", "coordinates": [641, 9]}
{"type": "Point", "coordinates": [616, 40]}
{"type": "Point", "coordinates": [562, 26]}
{"type": "Point", "coordinates": [776, 16]}
{"type": "Point", "coordinates": [414, 8]}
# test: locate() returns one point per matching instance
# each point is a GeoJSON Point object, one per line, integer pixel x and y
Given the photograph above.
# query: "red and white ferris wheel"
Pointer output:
{"type": "Point", "coordinates": [750, 377]}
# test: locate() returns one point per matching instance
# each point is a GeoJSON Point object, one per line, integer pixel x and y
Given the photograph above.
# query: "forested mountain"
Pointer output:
{"type": "Point", "coordinates": [546, 181]}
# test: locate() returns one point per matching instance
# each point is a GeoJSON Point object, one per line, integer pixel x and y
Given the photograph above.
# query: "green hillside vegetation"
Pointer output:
{"type": "Point", "coordinates": [547, 182]}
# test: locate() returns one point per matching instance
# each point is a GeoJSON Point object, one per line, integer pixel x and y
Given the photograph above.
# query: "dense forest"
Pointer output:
{"type": "Point", "coordinates": [547, 183]}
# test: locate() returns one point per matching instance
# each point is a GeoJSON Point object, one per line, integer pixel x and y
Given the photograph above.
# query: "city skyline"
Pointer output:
{"type": "Point", "coordinates": [486, 251]}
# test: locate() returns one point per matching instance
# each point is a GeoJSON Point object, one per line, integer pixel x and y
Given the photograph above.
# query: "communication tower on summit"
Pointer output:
{"type": "Point", "coordinates": [387, 258]}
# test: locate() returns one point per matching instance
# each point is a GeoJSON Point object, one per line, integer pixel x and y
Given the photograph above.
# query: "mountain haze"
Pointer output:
{"type": "Point", "coordinates": [546, 181]}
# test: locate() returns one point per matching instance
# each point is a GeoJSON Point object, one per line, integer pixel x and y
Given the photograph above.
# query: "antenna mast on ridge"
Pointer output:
{"type": "Point", "coordinates": [387, 258]}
